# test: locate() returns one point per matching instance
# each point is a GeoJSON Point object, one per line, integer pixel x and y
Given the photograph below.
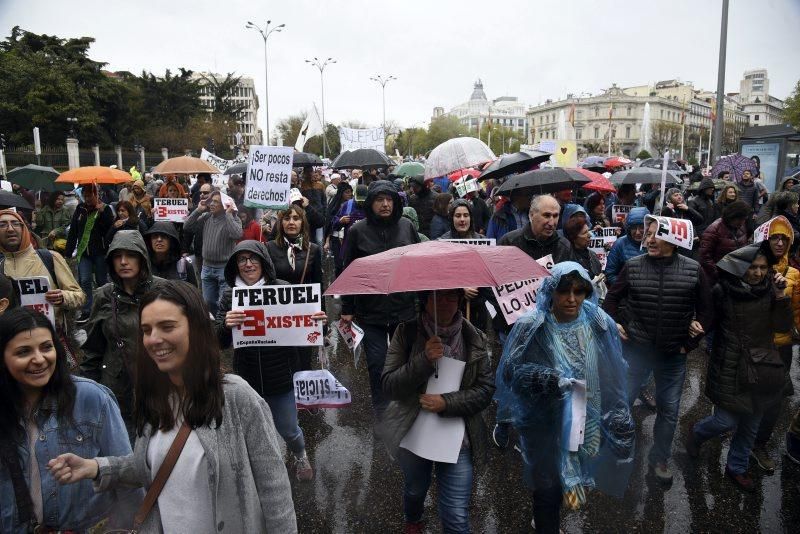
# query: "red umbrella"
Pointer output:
{"type": "Point", "coordinates": [598, 182]}
{"type": "Point", "coordinates": [616, 161]}
{"type": "Point", "coordinates": [455, 176]}
{"type": "Point", "coordinates": [435, 265]}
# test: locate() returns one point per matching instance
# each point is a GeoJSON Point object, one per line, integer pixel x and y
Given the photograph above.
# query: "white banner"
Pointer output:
{"type": "Point", "coordinates": [278, 316]}
{"type": "Point", "coordinates": [520, 297]}
{"type": "Point", "coordinates": [355, 138]}
{"type": "Point", "coordinates": [268, 177]}
{"type": "Point", "coordinates": [609, 234]}
{"type": "Point", "coordinates": [619, 212]}
{"type": "Point", "coordinates": [319, 389]}
{"type": "Point", "coordinates": [489, 242]}
{"type": "Point", "coordinates": [32, 295]}
{"type": "Point", "coordinates": [679, 232]}
{"type": "Point", "coordinates": [218, 180]}
{"type": "Point", "coordinates": [597, 245]}
{"type": "Point", "coordinates": [351, 333]}
{"type": "Point", "coordinates": [170, 209]}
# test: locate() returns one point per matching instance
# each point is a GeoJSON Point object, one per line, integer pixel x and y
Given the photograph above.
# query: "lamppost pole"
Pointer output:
{"type": "Point", "coordinates": [720, 122]}
{"type": "Point", "coordinates": [321, 66]}
{"type": "Point", "coordinates": [265, 33]}
{"type": "Point", "coordinates": [383, 80]}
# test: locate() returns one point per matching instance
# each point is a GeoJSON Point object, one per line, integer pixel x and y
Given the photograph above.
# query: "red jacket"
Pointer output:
{"type": "Point", "coordinates": [718, 240]}
{"type": "Point", "coordinates": [253, 231]}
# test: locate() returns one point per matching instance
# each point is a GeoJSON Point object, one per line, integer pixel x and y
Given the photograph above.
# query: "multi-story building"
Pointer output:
{"type": "Point", "coordinates": [244, 94]}
{"type": "Point", "coordinates": [761, 108]}
{"type": "Point", "coordinates": [478, 111]}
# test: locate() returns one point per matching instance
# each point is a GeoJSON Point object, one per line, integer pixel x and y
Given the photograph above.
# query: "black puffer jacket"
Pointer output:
{"type": "Point", "coordinates": [175, 267]}
{"type": "Point", "coordinates": [371, 236]}
{"type": "Point", "coordinates": [422, 202]}
{"type": "Point", "coordinates": [705, 206]}
{"type": "Point", "coordinates": [268, 370]}
{"type": "Point", "coordinates": [663, 295]}
{"type": "Point", "coordinates": [405, 377]}
{"type": "Point", "coordinates": [745, 315]}
{"type": "Point", "coordinates": [523, 239]}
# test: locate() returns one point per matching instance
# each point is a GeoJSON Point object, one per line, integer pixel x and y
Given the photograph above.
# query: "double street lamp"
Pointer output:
{"type": "Point", "coordinates": [383, 80]}
{"type": "Point", "coordinates": [265, 33]}
{"type": "Point", "coordinates": [321, 66]}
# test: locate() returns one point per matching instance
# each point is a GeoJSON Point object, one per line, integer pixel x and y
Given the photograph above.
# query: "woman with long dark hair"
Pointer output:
{"type": "Point", "coordinates": [44, 412]}
{"type": "Point", "coordinates": [127, 219]}
{"type": "Point", "coordinates": [229, 474]}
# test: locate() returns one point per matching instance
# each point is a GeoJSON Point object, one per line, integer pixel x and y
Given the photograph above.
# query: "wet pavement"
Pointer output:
{"type": "Point", "coordinates": [358, 489]}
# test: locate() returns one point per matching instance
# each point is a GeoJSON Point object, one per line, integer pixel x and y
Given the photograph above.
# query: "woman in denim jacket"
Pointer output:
{"type": "Point", "coordinates": [45, 412]}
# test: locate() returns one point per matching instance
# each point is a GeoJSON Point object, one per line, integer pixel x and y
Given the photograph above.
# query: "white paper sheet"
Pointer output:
{"type": "Point", "coordinates": [578, 414]}
{"type": "Point", "coordinates": [433, 437]}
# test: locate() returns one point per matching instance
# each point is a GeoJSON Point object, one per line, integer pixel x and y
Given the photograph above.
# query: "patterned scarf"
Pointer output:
{"type": "Point", "coordinates": [293, 248]}
{"type": "Point", "coordinates": [451, 336]}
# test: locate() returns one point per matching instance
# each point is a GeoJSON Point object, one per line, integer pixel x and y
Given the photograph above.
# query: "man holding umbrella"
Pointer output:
{"type": "Point", "coordinates": [384, 228]}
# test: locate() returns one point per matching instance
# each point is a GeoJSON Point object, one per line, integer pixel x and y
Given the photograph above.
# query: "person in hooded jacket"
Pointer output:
{"type": "Point", "coordinates": [411, 214]}
{"type": "Point", "coordinates": [724, 235]}
{"type": "Point", "coordinates": [776, 248]}
{"type": "Point", "coordinates": [384, 228]}
{"type": "Point", "coordinates": [577, 232]}
{"type": "Point", "coordinates": [112, 333]}
{"type": "Point", "coordinates": [627, 246]}
{"type": "Point", "coordinates": [422, 201]}
{"type": "Point", "coordinates": [750, 308]}
{"type": "Point", "coordinates": [703, 203]}
{"type": "Point", "coordinates": [350, 212]}
{"type": "Point", "coordinates": [269, 370]}
{"type": "Point", "coordinates": [164, 249]}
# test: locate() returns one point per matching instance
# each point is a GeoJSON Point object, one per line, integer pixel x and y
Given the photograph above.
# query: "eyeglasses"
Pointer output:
{"type": "Point", "coordinates": [203, 193]}
{"type": "Point", "coordinates": [775, 238]}
{"type": "Point", "coordinates": [16, 225]}
{"type": "Point", "coordinates": [242, 260]}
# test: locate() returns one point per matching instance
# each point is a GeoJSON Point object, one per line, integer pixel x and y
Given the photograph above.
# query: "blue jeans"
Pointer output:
{"type": "Point", "coordinates": [722, 421]}
{"type": "Point", "coordinates": [669, 370]}
{"type": "Point", "coordinates": [454, 483]}
{"type": "Point", "coordinates": [214, 284]}
{"type": "Point", "coordinates": [375, 347]}
{"type": "Point", "coordinates": [86, 267]}
{"type": "Point", "coordinates": [284, 414]}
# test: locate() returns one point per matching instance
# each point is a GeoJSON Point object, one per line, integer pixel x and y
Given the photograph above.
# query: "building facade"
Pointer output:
{"type": "Point", "coordinates": [761, 108]}
{"type": "Point", "coordinates": [244, 94]}
{"type": "Point", "coordinates": [479, 111]}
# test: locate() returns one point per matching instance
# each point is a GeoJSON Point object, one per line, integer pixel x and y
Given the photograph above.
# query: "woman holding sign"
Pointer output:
{"type": "Point", "coordinates": [418, 349]}
{"type": "Point", "coordinates": [269, 370]}
{"type": "Point", "coordinates": [206, 435]}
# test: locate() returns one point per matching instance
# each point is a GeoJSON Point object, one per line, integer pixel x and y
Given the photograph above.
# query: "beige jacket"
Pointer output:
{"type": "Point", "coordinates": [27, 263]}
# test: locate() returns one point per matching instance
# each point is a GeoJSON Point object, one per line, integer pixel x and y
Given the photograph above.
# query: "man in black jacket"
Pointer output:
{"type": "Point", "coordinates": [87, 234]}
{"type": "Point", "coordinates": [539, 238]}
{"type": "Point", "coordinates": [422, 202]}
{"type": "Point", "coordinates": [668, 302]}
{"type": "Point", "coordinates": [703, 203]}
{"type": "Point", "coordinates": [384, 228]}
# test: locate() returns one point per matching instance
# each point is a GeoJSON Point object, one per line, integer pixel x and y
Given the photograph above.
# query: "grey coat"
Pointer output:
{"type": "Point", "coordinates": [250, 486]}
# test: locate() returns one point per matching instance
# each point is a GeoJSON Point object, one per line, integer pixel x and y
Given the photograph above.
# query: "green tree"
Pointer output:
{"type": "Point", "coordinates": [791, 113]}
{"type": "Point", "coordinates": [443, 128]}
{"type": "Point", "coordinates": [224, 105]}
{"type": "Point", "coordinates": [643, 154]}
{"type": "Point", "coordinates": [412, 142]}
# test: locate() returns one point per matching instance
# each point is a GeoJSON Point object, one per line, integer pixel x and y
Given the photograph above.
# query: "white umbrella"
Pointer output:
{"type": "Point", "coordinates": [455, 154]}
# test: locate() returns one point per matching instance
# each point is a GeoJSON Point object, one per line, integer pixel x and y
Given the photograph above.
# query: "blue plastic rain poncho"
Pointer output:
{"type": "Point", "coordinates": [534, 393]}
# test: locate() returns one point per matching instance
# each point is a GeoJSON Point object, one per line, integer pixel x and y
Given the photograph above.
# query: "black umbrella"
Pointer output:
{"type": "Point", "coordinates": [236, 168]}
{"type": "Point", "coordinates": [657, 163]}
{"type": "Point", "coordinates": [543, 181]}
{"type": "Point", "coordinates": [642, 175]}
{"type": "Point", "coordinates": [10, 200]}
{"type": "Point", "coordinates": [305, 159]}
{"type": "Point", "coordinates": [363, 158]}
{"type": "Point", "coordinates": [513, 163]}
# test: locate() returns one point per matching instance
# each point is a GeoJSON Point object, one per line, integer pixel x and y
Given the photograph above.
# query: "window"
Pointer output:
{"type": "Point", "coordinates": [578, 133]}
{"type": "Point", "coordinates": [661, 112]}
{"type": "Point", "coordinates": [596, 113]}
{"type": "Point", "coordinates": [596, 130]}
{"type": "Point", "coordinates": [755, 118]}
{"type": "Point", "coordinates": [628, 111]}
{"type": "Point", "coordinates": [627, 132]}
{"type": "Point", "coordinates": [541, 119]}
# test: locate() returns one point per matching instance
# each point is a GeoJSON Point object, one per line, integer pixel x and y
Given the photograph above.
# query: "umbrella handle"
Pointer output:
{"type": "Point", "coordinates": [468, 310]}
{"type": "Point", "coordinates": [435, 333]}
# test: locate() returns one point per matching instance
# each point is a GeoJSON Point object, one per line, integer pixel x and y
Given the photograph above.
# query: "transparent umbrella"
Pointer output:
{"type": "Point", "coordinates": [455, 154]}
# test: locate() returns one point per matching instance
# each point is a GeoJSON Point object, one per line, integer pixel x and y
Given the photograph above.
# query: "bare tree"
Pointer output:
{"type": "Point", "coordinates": [665, 135]}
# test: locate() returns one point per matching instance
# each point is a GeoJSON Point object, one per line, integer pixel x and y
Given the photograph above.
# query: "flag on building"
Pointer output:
{"type": "Point", "coordinates": [572, 114]}
{"type": "Point", "coordinates": [311, 127]}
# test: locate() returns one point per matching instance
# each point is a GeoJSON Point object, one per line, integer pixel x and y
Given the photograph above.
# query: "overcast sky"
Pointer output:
{"type": "Point", "coordinates": [436, 49]}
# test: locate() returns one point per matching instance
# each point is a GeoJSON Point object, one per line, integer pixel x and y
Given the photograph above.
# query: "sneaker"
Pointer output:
{"type": "Point", "coordinates": [303, 471]}
{"type": "Point", "coordinates": [743, 480]}
{"type": "Point", "coordinates": [647, 399]}
{"type": "Point", "coordinates": [793, 447]}
{"type": "Point", "coordinates": [691, 444]}
{"type": "Point", "coordinates": [500, 435]}
{"type": "Point", "coordinates": [662, 472]}
{"type": "Point", "coordinates": [414, 527]}
{"type": "Point", "coordinates": [760, 455]}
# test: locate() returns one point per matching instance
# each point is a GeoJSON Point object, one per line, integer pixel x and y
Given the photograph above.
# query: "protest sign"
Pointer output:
{"type": "Point", "coordinates": [609, 234]}
{"type": "Point", "coordinates": [679, 232]}
{"type": "Point", "coordinates": [565, 154]}
{"type": "Point", "coordinates": [351, 333]}
{"type": "Point", "coordinates": [483, 241]}
{"type": "Point", "coordinates": [268, 177]}
{"type": "Point", "coordinates": [218, 180]}
{"type": "Point", "coordinates": [619, 212]}
{"type": "Point", "coordinates": [355, 138]}
{"type": "Point", "coordinates": [597, 245]}
{"type": "Point", "coordinates": [319, 389]}
{"type": "Point", "coordinates": [32, 295]}
{"type": "Point", "coordinates": [170, 209]}
{"type": "Point", "coordinates": [278, 316]}
{"type": "Point", "coordinates": [762, 232]}
{"type": "Point", "coordinates": [519, 297]}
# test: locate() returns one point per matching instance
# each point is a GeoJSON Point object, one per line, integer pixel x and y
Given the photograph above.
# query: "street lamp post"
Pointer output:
{"type": "Point", "coordinates": [265, 33]}
{"type": "Point", "coordinates": [321, 66]}
{"type": "Point", "coordinates": [72, 123]}
{"type": "Point", "coordinates": [383, 81]}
